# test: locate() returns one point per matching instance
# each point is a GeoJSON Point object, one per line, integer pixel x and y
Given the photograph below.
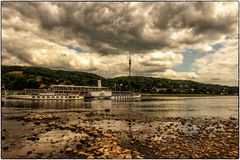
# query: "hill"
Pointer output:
{"type": "Point", "coordinates": [19, 77]}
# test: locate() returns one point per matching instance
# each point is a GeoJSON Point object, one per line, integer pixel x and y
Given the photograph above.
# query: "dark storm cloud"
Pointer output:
{"type": "Point", "coordinates": [109, 28]}
{"type": "Point", "coordinates": [198, 16]}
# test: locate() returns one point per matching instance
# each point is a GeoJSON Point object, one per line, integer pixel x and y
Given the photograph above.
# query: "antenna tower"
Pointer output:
{"type": "Point", "coordinates": [130, 63]}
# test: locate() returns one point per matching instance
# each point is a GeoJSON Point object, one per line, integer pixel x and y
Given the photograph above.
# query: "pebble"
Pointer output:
{"type": "Point", "coordinates": [92, 148]}
{"type": "Point", "coordinates": [5, 148]}
{"type": "Point", "coordinates": [69, 150]}
{"type": "Point", "coordinates": [128, 156]}
{"type": "Point", "coordinates": [107, 135]}
{"type": "Point", "coordinates": [33, 138]}
{"type": "Point", "coordinates": [29, 152]}
{"type": "Point", "coordinates": [82, 153]}
{"type": "Point", "coordinates": [150, 146]}
{"type": "Point", "coordinates": [91, 157]}
{"type": "Point", "coordinates": [107, 110]}
{"type": "Point", "coordinates": [73, 129]}
{"type": "Point", "coordinates": [78, 146]}
{"type": "Point", "coordinates": [37, 122]}
{"type": "Point", "coordinates": [35, 134]}
{"type": "Point", "coordinates": [135, 153]}
{"type": "Point", "coordinates": [106, 153]}
{"type": "Point", "coordinates": [138, 157]}
{"type": "Point", "coordinates": [40, 155]}
{"type": "Point", "coordinates": [102, 157]}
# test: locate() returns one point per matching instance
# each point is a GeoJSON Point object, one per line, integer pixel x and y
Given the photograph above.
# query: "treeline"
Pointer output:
{"type": "Point", "coordinates": [18, 78]}
{"type": "Point", "coordinates": [161, 85]}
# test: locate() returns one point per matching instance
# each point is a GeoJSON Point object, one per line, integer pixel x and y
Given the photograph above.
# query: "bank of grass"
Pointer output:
{"type": "Point", "coordinates": [176, 95]}
{"type": "Point", "coordinates": [16, 73]}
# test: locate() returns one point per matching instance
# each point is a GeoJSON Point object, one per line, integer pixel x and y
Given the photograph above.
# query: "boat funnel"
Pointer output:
{"type": "Point", "coordinates": [99, 83]}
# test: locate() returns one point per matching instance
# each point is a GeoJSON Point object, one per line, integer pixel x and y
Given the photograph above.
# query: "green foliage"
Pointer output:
{"type": "Point", "coordinates": [32, 83]}
{"type": "Point", "coordinates": [32, 77]}
{"type": "Point", "coordinates": [19, 83]}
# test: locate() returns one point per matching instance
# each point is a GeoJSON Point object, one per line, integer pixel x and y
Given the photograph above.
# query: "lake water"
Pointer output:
{"type": "Point", "coordinates": [217, 106]}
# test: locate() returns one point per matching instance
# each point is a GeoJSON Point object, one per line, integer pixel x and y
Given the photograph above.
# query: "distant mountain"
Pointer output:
{"type": "Point", "coordinates": [18, 78]}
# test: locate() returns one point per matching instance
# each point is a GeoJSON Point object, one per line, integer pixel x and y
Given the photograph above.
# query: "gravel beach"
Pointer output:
{"type": "Point", "coordinates": [103, 134]}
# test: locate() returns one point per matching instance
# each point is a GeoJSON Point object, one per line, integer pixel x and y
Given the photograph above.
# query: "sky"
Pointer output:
{"type": "Point", "coordinates": [176, 40]}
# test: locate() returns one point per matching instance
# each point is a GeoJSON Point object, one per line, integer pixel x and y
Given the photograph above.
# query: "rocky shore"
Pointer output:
{"type": "Point", "coordinates": [102, 134]}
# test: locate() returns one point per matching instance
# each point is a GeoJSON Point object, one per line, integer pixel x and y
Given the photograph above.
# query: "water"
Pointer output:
{"type": "Point", "coordinates": [219, 106]}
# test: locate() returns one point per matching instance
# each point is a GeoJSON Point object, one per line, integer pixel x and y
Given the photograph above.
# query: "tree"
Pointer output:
{"type": "Point", "coordinates": [19, 84]}
{"type": "Point", "coordinates": [31, 83]}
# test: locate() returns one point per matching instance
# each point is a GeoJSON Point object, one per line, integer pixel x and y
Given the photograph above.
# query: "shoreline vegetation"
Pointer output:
{"type": "Point", "coordinates": [20, 77]}
{"type": "Point", "coordinates": [180, 95]}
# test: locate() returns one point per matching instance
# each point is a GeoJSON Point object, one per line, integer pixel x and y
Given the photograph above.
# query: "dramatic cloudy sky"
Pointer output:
{"type": "Point", "coordinates": [184, 40]}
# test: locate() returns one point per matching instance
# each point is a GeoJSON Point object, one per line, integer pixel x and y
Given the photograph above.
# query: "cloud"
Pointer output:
{"type": "Point", "coordinates": [220, 67]}
{"type": "Point", "coordinates": [156, 61]}
{"type": "Point", "coordinates": [176, 75]}
{"type": "Point", "coordinates": [32, 50]}
{"type": "Point", "coordinates": [93, 37]}
{"type": "Point", "coordinates": [109, 28]}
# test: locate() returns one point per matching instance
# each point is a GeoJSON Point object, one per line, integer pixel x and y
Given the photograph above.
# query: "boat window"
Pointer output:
{"type": "Point", "coordinates": [57, 97]}
{"type": "Point", "coordinates": [33, 96]}
{"type": "Point", "coordinates": [48, 97]}
{"type": "Point", "coordinates": [38, 96]}
{"type": "Point", "coordinates": [62, 97]}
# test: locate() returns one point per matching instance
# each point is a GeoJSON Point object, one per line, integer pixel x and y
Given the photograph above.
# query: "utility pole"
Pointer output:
{"type": "Point", "coordinates": [130, 63]}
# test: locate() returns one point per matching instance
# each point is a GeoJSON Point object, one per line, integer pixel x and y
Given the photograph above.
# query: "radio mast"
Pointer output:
{"type": "Point", "coordinates": [130, 63]}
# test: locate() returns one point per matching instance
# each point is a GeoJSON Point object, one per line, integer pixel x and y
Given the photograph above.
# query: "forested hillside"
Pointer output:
{"type": "Point", "coordinates": [18, 78]}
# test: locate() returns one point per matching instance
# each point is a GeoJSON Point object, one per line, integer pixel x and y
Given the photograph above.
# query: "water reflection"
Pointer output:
{"type": "Point", "coordinates": [224, 106]}
{"type": "Point", "coordinates": [58, 104]}
{"type": "Point", "coordinates": [45, 104]}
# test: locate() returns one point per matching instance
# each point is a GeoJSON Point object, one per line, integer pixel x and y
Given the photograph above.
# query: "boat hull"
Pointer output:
{"type": "Point", "coordinates": [97, 97]}
{"type": "Point", "coordinates": [42, 97]}
{"type": "Point", "coordinates": [126, 97]}
{"type": "Point", "coordinates": [137, 96]}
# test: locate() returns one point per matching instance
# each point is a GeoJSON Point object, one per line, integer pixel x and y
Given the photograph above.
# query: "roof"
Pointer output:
{"type": "Point", "coordinates": [73, 86]}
